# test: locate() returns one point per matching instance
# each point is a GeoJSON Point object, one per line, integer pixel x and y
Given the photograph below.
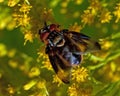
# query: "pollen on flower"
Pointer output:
{"type": "Point", "coordinates": [105, 16]}
{"type": "Point", "coordinates": [79, 74]}
{"type": "Point", "coordinates": [117, 12]}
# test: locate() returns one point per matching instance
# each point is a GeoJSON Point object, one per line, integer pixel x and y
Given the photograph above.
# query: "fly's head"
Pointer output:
{"type": "Point", "coordinates": [46, 30]}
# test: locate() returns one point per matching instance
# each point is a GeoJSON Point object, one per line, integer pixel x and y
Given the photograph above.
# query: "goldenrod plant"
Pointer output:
{"type": "Point", "coordinates": [25, 68]}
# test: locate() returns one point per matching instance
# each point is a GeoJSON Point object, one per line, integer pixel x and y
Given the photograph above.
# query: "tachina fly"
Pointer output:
{"type": "Point", "coordinates": [65, 48]}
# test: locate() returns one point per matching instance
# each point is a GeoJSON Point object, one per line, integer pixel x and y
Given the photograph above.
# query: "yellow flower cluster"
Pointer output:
{"type": "Point", "coordinates": [73, 90]}
{"type": "Point", "coordinates": [117, 12]}
{"type": "Point", "coordinates": [89, 14]}
{"type": "Point", "coordinates": [43, 58]}
{"type": "Point", "coordinates": [96, 9]}
{"type": "Point", "coordinates": [95, 5]}
{"type": "Point", "coordinates": [87, 17]}
{"type": "Point", "coordinates": [105, 16]}
{"type": "Point", "coordinates": [57, 80]}
{"type": "Point", "coordinates": [39, 86]}
{"type": "Point", "coordinates": [22, 18]}
{"type": "Point", "coordinates": [79, 74]}
{"type": "Point", "coordinates": [76, 90]}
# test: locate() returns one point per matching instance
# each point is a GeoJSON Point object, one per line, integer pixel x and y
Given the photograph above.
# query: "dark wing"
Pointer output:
{"type": "Point", "coordinates": [59, 64]}
{"type": "Point", "coordinates": [81, 41]}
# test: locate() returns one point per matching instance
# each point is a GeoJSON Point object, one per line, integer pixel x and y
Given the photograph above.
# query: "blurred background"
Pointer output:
{"type": "Point", "coordinates": [25, 69]}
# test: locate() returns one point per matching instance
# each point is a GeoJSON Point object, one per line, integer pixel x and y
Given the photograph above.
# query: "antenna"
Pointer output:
{"type": "Point", "coordinates": [45, 24]}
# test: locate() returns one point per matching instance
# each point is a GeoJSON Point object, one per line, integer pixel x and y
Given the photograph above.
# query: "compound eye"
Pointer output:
{"type": "Point", "coordinates": [43, 31]}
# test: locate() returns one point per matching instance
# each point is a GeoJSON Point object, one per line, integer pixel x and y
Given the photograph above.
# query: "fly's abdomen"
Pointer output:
{"type": "Point", "coordinates": [72, 57]}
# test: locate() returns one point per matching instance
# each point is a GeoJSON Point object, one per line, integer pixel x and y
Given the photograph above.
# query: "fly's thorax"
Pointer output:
{"type": "Point", "coordinates": [56, 39]}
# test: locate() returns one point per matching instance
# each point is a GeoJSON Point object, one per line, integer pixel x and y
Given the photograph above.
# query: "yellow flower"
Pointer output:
{"type": "Point", "coordinates": [12, 3]}
{"type": "Point", "coordinates": [22, 18]}
{"type": "Point", "coordinates": [25, 8]}
{"type": "Point", "coordinates": [73, 90]}
{"type": "Point", "coordinates": [11, 90]}
{"type": "Point", "coordinates": [28, 37]}
{"type": "Point", "coordinates": [43, 90]}
{"type": "Point", "coordinates": [35, 71]}
{"type": "Point", "coordinates": [64, 4]}
{"type": "Point", "coordinates": [87, 17]}
{"type": "Point", "coordinates": [75, 27]}
{"type": "Point", "coordinates": [25, 20]}
{"type": "Point", "coordinates": [45, 60]}
{"type": "Point", "coordinates": [11, 53]}
{"type": "Point", "coordinates": [1, 1]}
{"type": "Point", "coordinates": [47, 65]}
{"type": "Point", "coordinates": [106, 44]}
{"type": "Point", "coordinates": [117, 12]}
{"type": "Point", "coordinates": [13, 63]}
{"type": "Point", "coordinates": [78, 2]}
{"type": "Point", "coordinates": [3, 50]}
{"type": "Point", "coordinates": [105, 16]}
{"type": "Point", "coordinates": [79, 74]}
{"type": "Point", "coordinates": [79, 90]}
{"type": "Point", "coordinates": [57, 80]}
{"type": "Point", "coordinates": [41, 84]}
{"type": "Point", "coordinates": [30, 84]}
{"type": "Point", "coordinates": [95, 5]}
